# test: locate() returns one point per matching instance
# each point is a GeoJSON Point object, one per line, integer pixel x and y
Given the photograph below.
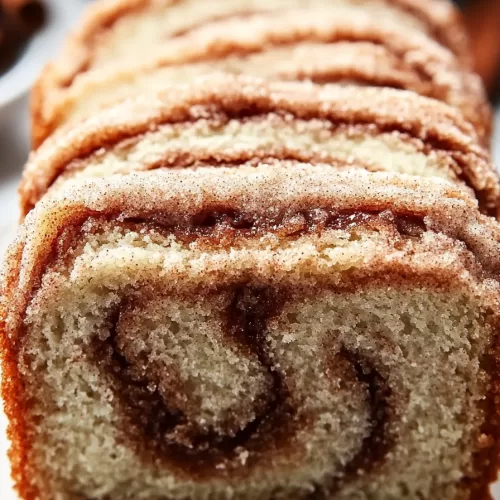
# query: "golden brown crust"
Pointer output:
{"type": "Point", "coordinates": [436, 125]}
{"type": "Point", "coordinates": [77, 56]}
{"type": "Point", "coordinates": [150, 197]}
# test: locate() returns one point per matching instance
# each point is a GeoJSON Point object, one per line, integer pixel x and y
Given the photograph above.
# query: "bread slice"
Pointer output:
{"type": "Point", "coordinates": [294, 333]}
{"type": "Point", "coordinates": [229, 120]}
{"type": "Point", "coordinates": [124, 47]}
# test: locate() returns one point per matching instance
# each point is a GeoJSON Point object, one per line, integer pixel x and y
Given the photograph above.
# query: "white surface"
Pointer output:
{"type": "Point", "coordinates": [14, 144]}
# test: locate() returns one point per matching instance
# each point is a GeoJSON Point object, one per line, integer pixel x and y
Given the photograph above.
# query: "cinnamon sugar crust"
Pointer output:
{"type": "Point", "coordinates": [433, 239]}
{"type": "Point", "coordinates": [354, 62]}
{"type": "Point", "coordinates": [165, 129]}
{"type": "Point", "coordinates": [191, 33]}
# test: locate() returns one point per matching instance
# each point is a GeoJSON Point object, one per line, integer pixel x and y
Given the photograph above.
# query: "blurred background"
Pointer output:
{"type": "Point", "coordinates": [482, 18]}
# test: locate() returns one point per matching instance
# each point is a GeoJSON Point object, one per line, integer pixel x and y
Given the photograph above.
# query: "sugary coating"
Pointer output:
{"type": "Point", "coordinates": [227, 118]}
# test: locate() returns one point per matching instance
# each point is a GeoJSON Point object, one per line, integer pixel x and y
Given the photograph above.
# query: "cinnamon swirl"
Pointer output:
{"type": "Point", "coordinates": [173, 334]}
{"type": "Point", "coordinates": [230, 120]}
{"type": "Point", "coordinates": [125, 47]}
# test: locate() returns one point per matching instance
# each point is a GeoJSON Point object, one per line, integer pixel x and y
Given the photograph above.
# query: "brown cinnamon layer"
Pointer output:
{"type": "Point", "coordinates": [161, 433]}
{"type": "Point", "coordinates": [241, 194]}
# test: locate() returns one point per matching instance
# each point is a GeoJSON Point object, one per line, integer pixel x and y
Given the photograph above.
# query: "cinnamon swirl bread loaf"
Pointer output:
{"type": "Point", "coordinates": [126, 47]}
{"type": "Point", "coordinates": [175, 334]}
{"type": "Point", "coordinates": [229, 120]}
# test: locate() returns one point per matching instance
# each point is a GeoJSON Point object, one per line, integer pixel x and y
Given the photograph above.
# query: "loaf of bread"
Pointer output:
{"type": "Point", "coordinates": [126, 47]}
{"type": "Point", "coordinates": [259, 258]}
